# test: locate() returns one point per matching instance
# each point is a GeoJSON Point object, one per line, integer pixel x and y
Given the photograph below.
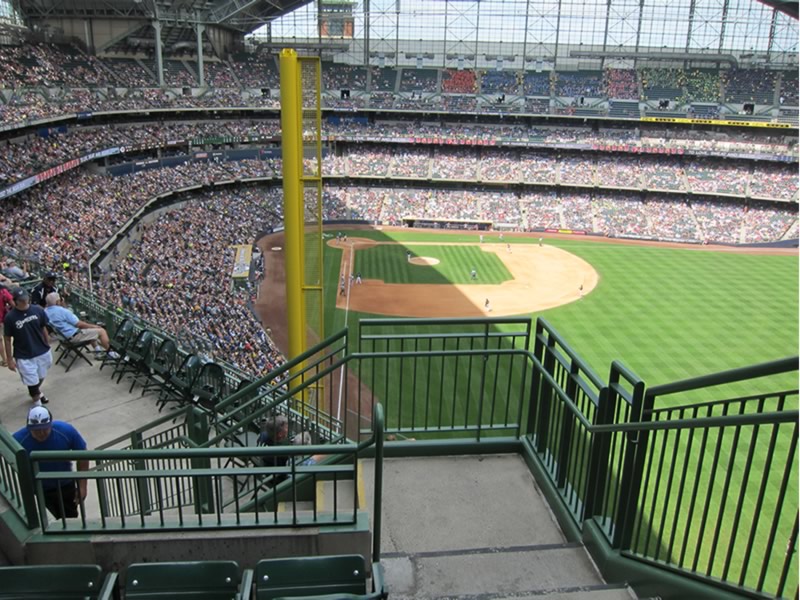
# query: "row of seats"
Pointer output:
{"type": "Point", "coordinates": [317, 577]}
{"type": "Point", "coordinates": [178, 380]}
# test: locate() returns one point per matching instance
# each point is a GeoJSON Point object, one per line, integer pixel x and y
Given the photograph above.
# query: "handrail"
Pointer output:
{"type": "Point", "coordinates": [765, 369]}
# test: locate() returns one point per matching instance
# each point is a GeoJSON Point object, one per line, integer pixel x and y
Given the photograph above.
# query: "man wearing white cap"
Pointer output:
{"type": "Point", "coordinates": [43, 433]}
{"type": "Point", "coordinates": [25, 325]}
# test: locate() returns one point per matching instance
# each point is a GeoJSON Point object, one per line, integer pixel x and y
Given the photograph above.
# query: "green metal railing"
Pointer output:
{"type": "Point", "coordinates": [208, 486]}
{"type": "Point", "coordinates": [705, 491]}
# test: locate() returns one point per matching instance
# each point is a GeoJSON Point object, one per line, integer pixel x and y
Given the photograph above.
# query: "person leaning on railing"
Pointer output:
{"type": "Point", "coordinates": [43, 433]}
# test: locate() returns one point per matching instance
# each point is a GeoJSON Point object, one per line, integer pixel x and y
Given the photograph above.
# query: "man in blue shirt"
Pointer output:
{"type": "Point", "coordinates": [25, 325]}
{"type": "Point", "coordinates": [61, 496]}
{"type": "Point", "coordinates": [65, 322]}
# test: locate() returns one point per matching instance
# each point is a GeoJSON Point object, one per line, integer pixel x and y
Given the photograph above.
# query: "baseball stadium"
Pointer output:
{"type": "Point", "coordinates": [435, 299]}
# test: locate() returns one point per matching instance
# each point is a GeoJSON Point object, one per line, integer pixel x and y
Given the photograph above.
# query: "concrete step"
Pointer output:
{"type": "Point", "coordinates": [337, 496]}
{"type": "Point", "coordinates": [460, 502]}
{"type": "Point", "coordinates": [562, 571]}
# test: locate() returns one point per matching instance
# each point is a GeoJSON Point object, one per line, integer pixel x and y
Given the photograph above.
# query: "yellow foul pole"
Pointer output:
{"type": "Point", "coordinates": [292, 147]}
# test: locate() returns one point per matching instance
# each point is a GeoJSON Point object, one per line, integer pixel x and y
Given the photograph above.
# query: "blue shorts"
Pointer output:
{"type": "Point", "coordinates": [33, 370]}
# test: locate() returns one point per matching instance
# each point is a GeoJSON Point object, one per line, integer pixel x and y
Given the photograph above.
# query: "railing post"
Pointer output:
{"type": "Point", "coordinates": [567, 425]}
{"type": "Point", "coordinates": [378, 426]}
{"type": "Point", "coordinates": [545, 353]}
{"type": "Point", "coordinates": [632, 466]}
{"type": "Point", "coordinates": [142, 491]}
{"type": "Point", "coordinates": [27, 488]}
{"type": "Point", "coordinates": [598, 461]}
{"type": "Point", "coordinates": [203, 486]}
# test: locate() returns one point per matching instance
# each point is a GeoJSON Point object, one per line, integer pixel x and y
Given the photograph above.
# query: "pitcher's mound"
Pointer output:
{"type": "Point", "coordinates": [424, 261]}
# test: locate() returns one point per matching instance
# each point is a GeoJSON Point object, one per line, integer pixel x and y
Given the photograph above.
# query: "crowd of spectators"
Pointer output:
{"type": "Point", "coordinates": [621, 84]}
{"type": "Point", "coordinates": [774, 181]}
{"type": "Point", "coordinates": [343, 77]}
{"type": "Point", "coordinates": [749, 85]}
{"type": "Point", "coordinates": [456, 163]}
{"type": "Point", "coordinates": [459, 81]}
{"type": "Point", "coordinates": [702, 85]}
{"type": "Point", "coordinates": [257, 70]}
{"type": "Point", "coordinates": [383, 79]}
{"type": "Point", "coordinates": [419, 80]}
{"type": "Point", "coordinates": [500, 82]}
{"type": "Point", "coordinates": [536, 84]}
{"type": "Point", "coordinates": [662, 84]}
{"type": "Point", "coordinates": [707, 176]}
{"type": "Point", "coordinates": [466, 104]}
{"type": "Point", "coordinates": [176, 274]}
{"type": "Point", "coordinates": [608, 213]}
{"type": "Point", "coordinates": [26, 156]}
{"type": "Point", "coordinates": [541, 209]}
{"type": "Point", "coordinates": [575, 170]}
{"type": "Point", "coordinates": [219, 74]}
{"type": "Point", "coordinates": [579, 83]}
{"type": "Point", "coordinates": [790, 89]}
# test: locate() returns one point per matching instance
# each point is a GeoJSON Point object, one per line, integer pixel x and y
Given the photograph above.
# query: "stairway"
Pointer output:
{"type": "Point", "coordinates": [477, 528]}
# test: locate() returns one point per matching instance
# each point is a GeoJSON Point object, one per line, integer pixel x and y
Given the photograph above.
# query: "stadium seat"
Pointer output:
{"type": "Point", "coordinates": [136, 357]}
{"type": "Point", "coordinates": [208, 387]}
{"type": "Point", "coordinates": [179, 385]}
{"type": "Point", "coordinates": [159, 366]}
{"type": "Point", "coordinates": [69, 351]}
{"type": "Point", "coordinates": [199, 580]}
{"type": "Point", "coordinates": [119, 343]}
{"type": "Point", "coordinates": [56, 582]}
{"type": "Point", "coordinates": [319, 577]}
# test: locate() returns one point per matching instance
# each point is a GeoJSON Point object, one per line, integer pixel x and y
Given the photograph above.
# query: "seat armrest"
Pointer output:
{"type": "Point", "coordinates": [246, 586]}
{"type": "Point", "coordinates": [378, 580]}
{"type": "Point", "coordinates": [109, 589]}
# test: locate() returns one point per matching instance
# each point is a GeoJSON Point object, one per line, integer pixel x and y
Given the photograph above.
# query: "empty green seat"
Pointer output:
{"type": "Point", "coordinates": [200, 580]}
{"type": "Point", "coordinates": [329, 577]}
{"type": "Point", "coordinates": [56, 582]}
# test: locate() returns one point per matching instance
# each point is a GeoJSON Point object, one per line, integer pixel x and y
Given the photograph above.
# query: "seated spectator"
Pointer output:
{"type": "Point", "coordinates": [65, 322]}
{"type": "Point", "coordinates": [304, 439]}
{"type": "Point", "coordinates": [275, 432]}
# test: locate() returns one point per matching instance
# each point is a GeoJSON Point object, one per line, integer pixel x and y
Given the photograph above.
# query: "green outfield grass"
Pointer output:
{"type": "Point", "coordinates": [390, 264]}
{"type": "Point", "coordinates": [668, 314]}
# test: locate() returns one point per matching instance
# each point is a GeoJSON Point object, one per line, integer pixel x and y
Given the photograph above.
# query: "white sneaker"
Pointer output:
{"type": "Point", "coordinates": [113, 355]}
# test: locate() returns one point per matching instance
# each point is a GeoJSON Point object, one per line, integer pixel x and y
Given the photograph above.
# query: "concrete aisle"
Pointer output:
{"type": "Point", "coordinates": [477, 528]}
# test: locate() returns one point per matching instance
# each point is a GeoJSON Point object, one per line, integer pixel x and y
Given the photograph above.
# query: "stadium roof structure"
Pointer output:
{"type": "Point", "coordinates": [785, 6]}
{"type": "Point", "coordinates": [180, 23]}
{"type": "Point", "coordinates": [240, 15]}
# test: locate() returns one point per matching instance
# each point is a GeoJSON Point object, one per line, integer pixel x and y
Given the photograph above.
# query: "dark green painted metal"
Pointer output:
{"type": "Point", "coordinates": [647, 580]}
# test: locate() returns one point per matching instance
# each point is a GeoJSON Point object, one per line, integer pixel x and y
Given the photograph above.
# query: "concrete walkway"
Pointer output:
{"type": "Point", "coordinates": [477, 528]}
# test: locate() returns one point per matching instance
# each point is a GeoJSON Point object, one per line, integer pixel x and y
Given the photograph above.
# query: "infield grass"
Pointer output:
{"type": "Point", "coordinates": [456, 262]}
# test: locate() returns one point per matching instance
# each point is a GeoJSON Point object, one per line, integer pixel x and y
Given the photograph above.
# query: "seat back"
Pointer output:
{"type": "Point", "coordinates": [199, 580]}
{"type": "Point", "coordinates": [163, 361]}
{"type": "Point", "coordinates": [141, 346]}
{"type": "Point", "coordinates": [123, 335]}
{"type": "Point", "coordinates": [184, 376]}
{"type": "Point", "coordinates": [310, 576]}
{"type": "Point", "coordinates": [209, 385]}
{"type": "Point", "coordinates": [51, 581]}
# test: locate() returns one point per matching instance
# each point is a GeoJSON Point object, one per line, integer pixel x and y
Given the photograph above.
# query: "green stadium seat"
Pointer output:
{"type": "Point", "coordinates": [159, 366]}
{"type": "Point", "coordinates": [56, 582]}
{"type": "Point", "coordinates": [198, 580]}
{"type": "Point", "coordinates": [179, 385]}
{"type": "Point", "coordinates": [69, 351]}
{"type": "Point", "coordinates": [122, 338]}
{"type": "Point", "coordinates": [136, 359]}
{"type": "Point", "coordinates": [341, 577]}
